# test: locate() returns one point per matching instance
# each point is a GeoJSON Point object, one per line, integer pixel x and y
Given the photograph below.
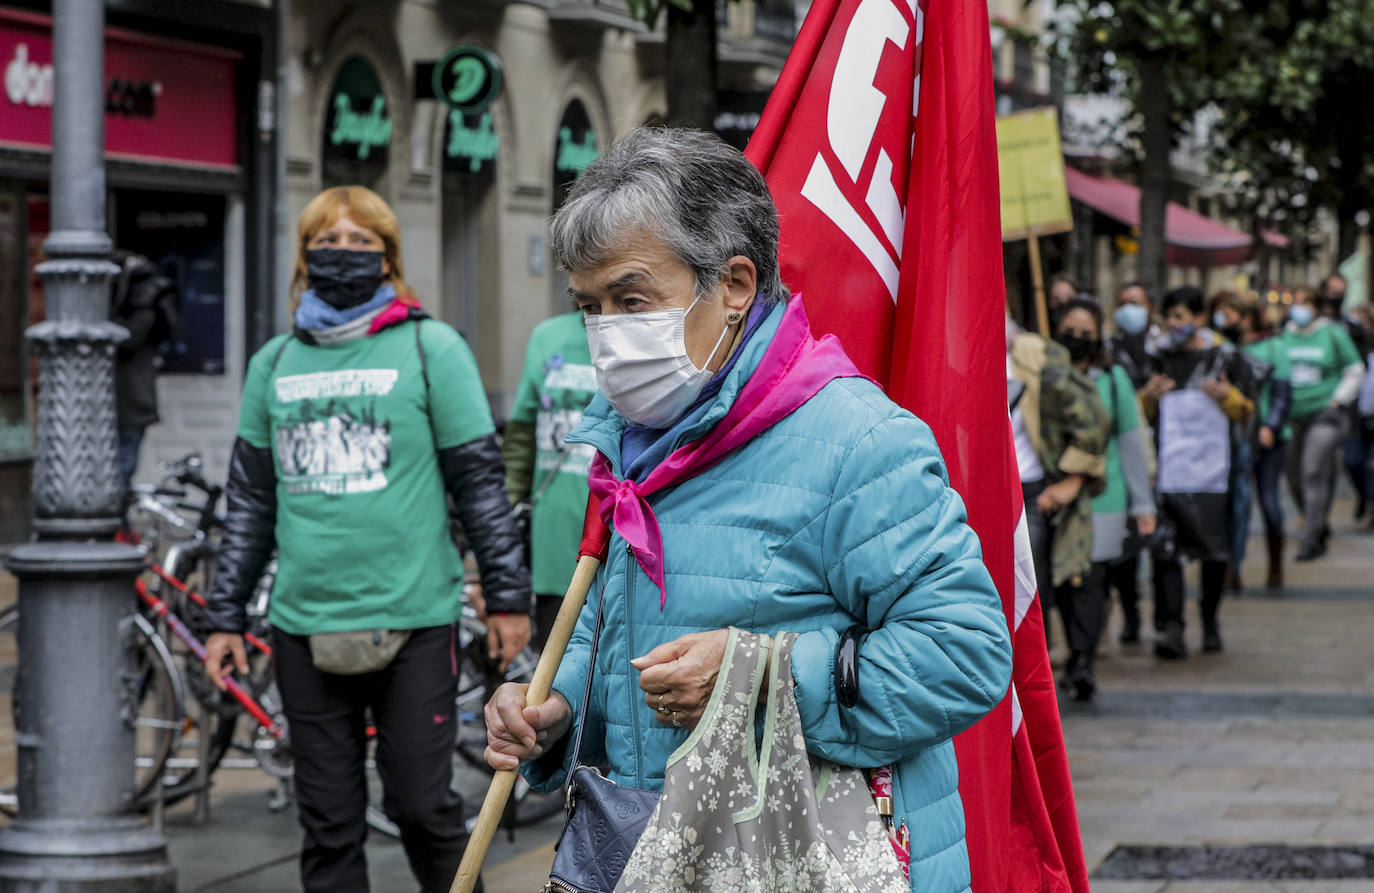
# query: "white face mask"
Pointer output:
{"type": "Point", "coordinates": [642, 364]}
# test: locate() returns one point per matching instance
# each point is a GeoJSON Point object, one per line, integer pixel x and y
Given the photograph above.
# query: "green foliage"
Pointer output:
{"type": "Point", "coordinates": [1287, 82]}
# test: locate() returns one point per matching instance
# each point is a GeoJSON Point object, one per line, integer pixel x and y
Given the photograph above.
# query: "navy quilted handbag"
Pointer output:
{"type": "Point", "coordinates": [604, 824]}
{"type": "Point", "coordinates": [605, 819]}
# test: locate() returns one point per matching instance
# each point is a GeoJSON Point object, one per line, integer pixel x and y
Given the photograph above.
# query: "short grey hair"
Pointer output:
{"type": "Point", "coordinates": [689, 188]}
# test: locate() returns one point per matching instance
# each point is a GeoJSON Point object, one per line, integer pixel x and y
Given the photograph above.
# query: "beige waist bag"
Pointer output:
{"type": "Point", "coordinates": [357, 651]}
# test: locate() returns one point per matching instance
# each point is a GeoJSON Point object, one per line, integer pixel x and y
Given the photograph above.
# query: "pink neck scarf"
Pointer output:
{"type": "Point", "coordinates": [398, 311]}
{"type": "Point", "coordinates": [794, 368]}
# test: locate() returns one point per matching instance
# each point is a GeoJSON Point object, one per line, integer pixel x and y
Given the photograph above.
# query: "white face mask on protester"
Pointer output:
{"type": "Point", "coordinates": [642, 364]}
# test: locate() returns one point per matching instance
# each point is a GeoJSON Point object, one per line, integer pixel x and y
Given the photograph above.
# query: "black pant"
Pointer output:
{"type": "Point", "coordinates": [412, 704]}
{"type": "Point", "coordinates": [1083, 608]}
{"type": "Point", "coordinates": [1123, 575]}
{"type": "Point", "coordinates": [1169, 594]}
{"type": "Point", "coordinates": [1041, 542]}
{"type": "Point", "coordinates": [546, 607]}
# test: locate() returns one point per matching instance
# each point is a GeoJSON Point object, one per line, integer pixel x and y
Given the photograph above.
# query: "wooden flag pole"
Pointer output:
{"type": "Point", "coordinates": [494, 806]}
{"type": "Point", "coordinates": [1042, 316]}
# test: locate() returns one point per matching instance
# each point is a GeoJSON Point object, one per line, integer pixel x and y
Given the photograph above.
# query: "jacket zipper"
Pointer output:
{"type": "Point", "coordinates": [555, 884]}
{"type": "Point", "coordinates": [630, 641]}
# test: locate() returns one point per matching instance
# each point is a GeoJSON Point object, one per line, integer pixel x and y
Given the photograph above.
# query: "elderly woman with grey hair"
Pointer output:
{"type": "Point", "coordinates": [789, 493]}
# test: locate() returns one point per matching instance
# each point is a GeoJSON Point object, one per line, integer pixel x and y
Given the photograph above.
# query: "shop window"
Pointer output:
{"type": "Point", "coordinates": [15, 401]}
{"type": "Point", "coordinates": [183, 233]}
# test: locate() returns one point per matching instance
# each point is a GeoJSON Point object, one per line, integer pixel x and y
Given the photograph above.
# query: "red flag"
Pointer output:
{"type": "Point", "coordinates": [880, 148]}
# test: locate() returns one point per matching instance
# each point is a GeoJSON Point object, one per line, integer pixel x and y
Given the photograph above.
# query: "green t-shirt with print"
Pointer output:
{"type": "Point", "coordinates": [1316, 358]}
{"type": "Point", "coordinates": [1114, 387]}
{"type": "Point", "coordinates": [556, 385]}
{"type": "Point", "coordinates": [362, 523]}
{"type": "Point", "coordinates": [1274, 352]}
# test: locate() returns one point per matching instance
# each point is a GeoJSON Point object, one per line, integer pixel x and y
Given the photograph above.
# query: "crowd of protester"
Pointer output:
{"type": "Point", "coordinates": [1153, 432]}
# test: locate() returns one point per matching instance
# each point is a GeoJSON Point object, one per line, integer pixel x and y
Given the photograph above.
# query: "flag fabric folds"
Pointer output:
{"type": "Point", "coordinates": [879, 146]}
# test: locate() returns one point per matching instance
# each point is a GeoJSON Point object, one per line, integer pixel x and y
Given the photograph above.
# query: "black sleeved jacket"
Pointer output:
{"type": "Point", "coordinates": [250, 523]}
{"type": "Point", "coordinates": [475, 477]}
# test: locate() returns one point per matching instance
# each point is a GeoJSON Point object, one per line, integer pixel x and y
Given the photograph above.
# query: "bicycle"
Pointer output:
{"type": "Point", "coordinates": [185, 570]}
{"type": "Point", "coordinates": [477, 675]}
{"type": "Point", "coordinates": [169, 673]}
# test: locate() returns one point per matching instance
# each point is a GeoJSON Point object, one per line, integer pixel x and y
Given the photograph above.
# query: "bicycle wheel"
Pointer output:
{"type": "Point", "coordinates": [210, 716]}
{"type": "Point", "coordinates": [478, 678]}
{"type": "Point", "coordinates": [160, 695]}
{"type": "Point", "coordinates": [161, 709]}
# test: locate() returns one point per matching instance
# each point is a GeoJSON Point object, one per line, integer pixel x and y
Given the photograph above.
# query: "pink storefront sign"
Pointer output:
{"type": "Point", "coordinates": [165, 100]}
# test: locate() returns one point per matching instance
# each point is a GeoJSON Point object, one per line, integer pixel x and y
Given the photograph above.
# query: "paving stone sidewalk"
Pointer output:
{"type": "Point", "coordinates": [1271, 742]}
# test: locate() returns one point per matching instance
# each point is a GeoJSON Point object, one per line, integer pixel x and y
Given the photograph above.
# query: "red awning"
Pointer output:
{"type": "Point", "coordinates": [1191, 239]}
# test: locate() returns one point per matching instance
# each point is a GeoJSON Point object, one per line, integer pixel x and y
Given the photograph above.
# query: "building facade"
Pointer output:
{"type": "Point", "coordinates": [350, 98]}
{"type": "Point", "coordinates": [189, 163]}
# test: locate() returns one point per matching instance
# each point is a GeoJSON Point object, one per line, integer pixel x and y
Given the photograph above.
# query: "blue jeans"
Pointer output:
{"type": "Point", "coordinates": [1238, 512]}
{"type": "Point", "coordinates": [130, 440]}
{"type": "Point", "coordinates": [1268, 471]}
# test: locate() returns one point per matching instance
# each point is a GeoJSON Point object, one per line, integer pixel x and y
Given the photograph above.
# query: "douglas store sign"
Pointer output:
{"type": "Point", "coordinates": [165, 100]}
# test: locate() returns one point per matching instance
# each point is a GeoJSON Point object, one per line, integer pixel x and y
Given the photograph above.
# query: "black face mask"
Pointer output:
{"type": "Point", "coordinates": [343, 278]}
{"type": "Point", "coordinates": [1230, 333]}
{"type": "Point", "coordinates": [1079, 348]}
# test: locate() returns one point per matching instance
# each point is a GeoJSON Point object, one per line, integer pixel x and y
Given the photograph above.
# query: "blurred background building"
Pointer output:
{"type": "Point", "coordinates": [224, 117]}
{"type": "Point", "coordinates": [1209, 241]}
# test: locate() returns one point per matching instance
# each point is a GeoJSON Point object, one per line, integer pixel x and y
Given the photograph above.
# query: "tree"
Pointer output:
{"type": "Point", "coordinates": [690, 59]}
{"type": "Point", "coordinates": [1287, 81]}
{"type": "Point", "coordinates": [1166, 57]}
{"type": "Point", "coordinates": [1293, 118]}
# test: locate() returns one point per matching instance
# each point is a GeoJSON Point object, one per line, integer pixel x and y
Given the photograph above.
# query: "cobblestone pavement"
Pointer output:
{"type": "Point", "coordinates": [1271, 742]}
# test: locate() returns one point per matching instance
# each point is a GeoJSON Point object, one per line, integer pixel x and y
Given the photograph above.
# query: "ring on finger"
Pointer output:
{"type": "Point", "coordinates": [661, 708]}
{"type": "Point", "coordinates": [677, 722]}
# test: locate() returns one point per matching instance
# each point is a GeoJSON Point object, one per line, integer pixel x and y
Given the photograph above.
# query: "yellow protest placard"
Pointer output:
{"type": "Point", "coordinates": [1034, 197]}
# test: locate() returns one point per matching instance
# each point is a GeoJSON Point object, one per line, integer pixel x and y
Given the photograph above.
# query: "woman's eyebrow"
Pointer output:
{"type": "Point", "coordinates": [629, 278]}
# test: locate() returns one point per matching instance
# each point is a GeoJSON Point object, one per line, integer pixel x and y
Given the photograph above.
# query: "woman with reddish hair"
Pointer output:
{"type": "Point", "coordinates": [354, 429]}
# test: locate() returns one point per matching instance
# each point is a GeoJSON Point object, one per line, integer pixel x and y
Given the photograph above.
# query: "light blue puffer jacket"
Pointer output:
{"type": "Point", "coordinates": [841, 513]}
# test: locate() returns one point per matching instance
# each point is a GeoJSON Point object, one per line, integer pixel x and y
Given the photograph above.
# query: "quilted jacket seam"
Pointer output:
{"type": "Point", "coordinates": [886, 530]}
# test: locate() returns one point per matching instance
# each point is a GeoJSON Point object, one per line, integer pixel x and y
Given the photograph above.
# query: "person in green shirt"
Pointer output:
{"type": "Point", "coordinates": [1078, 328]}
{"type": "Point", "coordinates": [1241, 320]}
{"type": "Point", "coordinates": [542, 470]}
{"type": "Point", "coordinates": [354, 429]}
{"type": "Point", "coordinates": [1326, 373]}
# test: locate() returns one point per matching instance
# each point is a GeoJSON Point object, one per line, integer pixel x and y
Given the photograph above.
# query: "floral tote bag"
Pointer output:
{"type": "Point", "coordinates": [734, 817]}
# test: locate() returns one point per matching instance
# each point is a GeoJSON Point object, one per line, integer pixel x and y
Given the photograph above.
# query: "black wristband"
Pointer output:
{"type": "Point", "coordinates": [847, 665]}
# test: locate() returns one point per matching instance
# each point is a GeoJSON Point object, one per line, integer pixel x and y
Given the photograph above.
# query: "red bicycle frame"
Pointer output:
{"type": "Point", "coordinates": [163, 610]}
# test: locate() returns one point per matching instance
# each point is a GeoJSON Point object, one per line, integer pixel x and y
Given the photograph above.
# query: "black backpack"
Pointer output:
{"type": "Point", "coordinates": [141, 285]}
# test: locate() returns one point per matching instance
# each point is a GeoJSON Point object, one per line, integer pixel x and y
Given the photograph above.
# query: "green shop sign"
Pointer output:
{"type": "Point", "coordinates": [575, 154]}
{"type": "Point", "coordinates": [467, 78]}
{"type": "Point", "coordinates": [358, 125]}
{"type": "Point", "coordinates": [470, 144]}
{"type": "Point", "coordinates": [574, 149]}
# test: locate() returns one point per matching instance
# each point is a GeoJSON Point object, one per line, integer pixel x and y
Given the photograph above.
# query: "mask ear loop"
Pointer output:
{"type": "Point", "coordinates": [719, 341]}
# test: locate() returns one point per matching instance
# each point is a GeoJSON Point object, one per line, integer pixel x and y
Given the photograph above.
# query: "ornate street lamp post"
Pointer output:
{"type": "Point", "coordinates": [76, 696]}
